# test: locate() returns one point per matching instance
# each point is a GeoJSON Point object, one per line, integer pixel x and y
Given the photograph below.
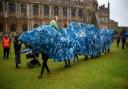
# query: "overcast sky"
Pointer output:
{"type": "Point", "coordinates": [118, 10]}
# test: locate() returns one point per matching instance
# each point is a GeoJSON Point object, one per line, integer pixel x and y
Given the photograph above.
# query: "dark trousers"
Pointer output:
{"type": "Point", "coordinates": [44, 64]}
{"type": "Point", "coordinates": [17, 58]}
{"type": "Point", "coordinates": [123, 44]}
{"type": "Point", "coordinates": [67, 63]}
{"type": "Point", "coordinates": [118, 43]}
{"type": "Point", "coordinates": [6, 53]}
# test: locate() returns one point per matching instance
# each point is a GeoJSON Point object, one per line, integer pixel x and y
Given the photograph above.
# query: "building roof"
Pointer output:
{"type": "Point", "coordinates": [123, 28]}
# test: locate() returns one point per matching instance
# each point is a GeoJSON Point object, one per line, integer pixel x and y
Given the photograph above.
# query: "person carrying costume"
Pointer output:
{"type": "Point", "coordinates": [123, 38]}
{"type": "Point", "coordinates": [118, 40]}
{"type": "Point", "coordinates": [45, 58]}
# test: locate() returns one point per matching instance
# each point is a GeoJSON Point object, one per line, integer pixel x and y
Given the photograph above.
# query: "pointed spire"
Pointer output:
{"type": "Point", "coordinates": [108, 4]}
{"type": "Point", "coordinates": [108, 13]}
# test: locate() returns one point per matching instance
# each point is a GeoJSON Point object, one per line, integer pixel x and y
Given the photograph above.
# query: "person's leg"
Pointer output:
{"type": "Point", "coordinates": [86, 57]}
{"type": "Point", "coordinates": [108, 50]}
{"type": "Point", "coordinates": [65, 63]}
{"type": "Point", "coordinates": [122, 44]}
{"type": "Point", "coordinates": [77, 58]}
{"type": "Point", "coordinates": [105, 50]}
{"type": "Point", "coordinates": [16, 60]}
{"type": "Point", "coordinates": [68, 63]}
{"type": "Point", "coordinates": [4, 53]}
{"type": "Point", "coordinates": [42, 70]}
{"type": "Point", "coordinates": [74, 58]}
{"type": "Point", "coordinates": [7, 53]}
{"type": "Point", "coordinates": [43, 65]}
{"type": "Point", "coordinates": [126, 44]}
{"type": "Point", "coordinates": [46, 66]}
{"type": "Point", "coordinates": [117, 43]}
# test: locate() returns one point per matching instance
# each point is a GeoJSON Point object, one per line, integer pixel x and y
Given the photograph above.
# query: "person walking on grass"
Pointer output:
{"type": "Point", "coordinates": [17, 47]}
{"type": "Point", "coordinates": [118, 40]}
{"type": "Point", "coordinates": [44, 65]}
{"type": "Point", "coordinates": [123, 38]}
{"type": "Point", "coordinates": [6, 46]}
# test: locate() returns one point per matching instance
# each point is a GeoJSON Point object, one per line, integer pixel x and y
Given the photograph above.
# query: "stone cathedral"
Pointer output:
{"type": "Point", "coordinates": [23, 15]}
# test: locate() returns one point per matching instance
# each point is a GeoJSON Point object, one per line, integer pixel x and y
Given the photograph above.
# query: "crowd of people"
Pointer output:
{"type": "Point", "coordinates": [121, 41]}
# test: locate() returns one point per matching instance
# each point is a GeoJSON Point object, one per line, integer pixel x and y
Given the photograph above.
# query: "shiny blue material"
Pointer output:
{"type": "Point", "coordinates": [64, 44]}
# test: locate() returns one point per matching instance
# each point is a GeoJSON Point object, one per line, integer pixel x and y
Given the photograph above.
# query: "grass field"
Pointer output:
{"type": "Point", "coordinates": [110, 71]}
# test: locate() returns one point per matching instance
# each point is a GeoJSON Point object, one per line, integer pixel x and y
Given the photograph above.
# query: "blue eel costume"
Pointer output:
{"type": "Point", "coordinates": [64, 44]}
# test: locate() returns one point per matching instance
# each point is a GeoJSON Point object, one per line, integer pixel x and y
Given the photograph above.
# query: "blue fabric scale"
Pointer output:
{"type": "Point", "coordinates": [64, 44]}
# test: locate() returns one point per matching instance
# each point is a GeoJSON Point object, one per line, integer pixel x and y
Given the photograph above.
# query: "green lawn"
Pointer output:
{"type": "Point", "coordinates": [110, 71]}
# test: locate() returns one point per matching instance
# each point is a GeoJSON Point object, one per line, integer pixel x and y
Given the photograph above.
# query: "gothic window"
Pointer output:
{"type": "Point", "coordinates": [35, 10]}
{"type": "Point", "coordinates": [56, 11]}
{"type": "Point", "coordinates": [73, 12]}
{"type": "Point", "coordinates": [13, 28]}
{"type": "Point", "coordinates": [1, 27]}
{"type": "Point", "coordinates": [1, 7]}
{"type": "Point", "coordinates": [12, 7]}
{"type": "Point", "coordinates": [46, 11]}
{"type": "Point", "coordinates": [80, 13]}
{"type": "Point", "coordinates": [25, 28]}
{"type": "Point", "coordinates": [65, 0]}
{"type": "Point", "coordinates": [37, 0]}
{"type": "Point", "coordinates": [55, 0]}
{"type": "Point", "coordinates": [89, 14]}
{"type": "Point", "coordinates": [23, 9]}
{"type": "Point", "coordinates": [64, 12]}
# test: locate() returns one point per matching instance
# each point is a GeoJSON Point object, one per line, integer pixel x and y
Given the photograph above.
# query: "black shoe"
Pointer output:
{"type": "Point", "coordinates": [49, 73]}
{"type": "Point", "coordinates": [40, 76]}
{"type": "Point", "coordinates": [69, 66]}
{"type": "Point", "coordinates": [65, 66]}
{"type": "Point", "coordinates": [17, 67]}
